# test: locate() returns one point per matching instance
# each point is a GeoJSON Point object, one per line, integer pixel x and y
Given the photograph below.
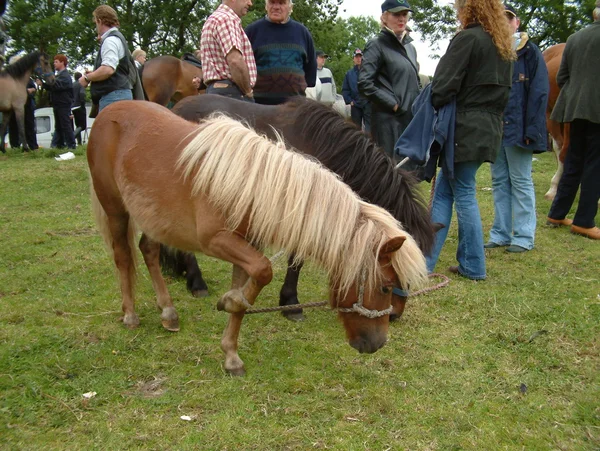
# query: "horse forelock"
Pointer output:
{"type": "Point", "coordinates": [363, 166]}
{"type": "Point", "coordinates": [284, 199]}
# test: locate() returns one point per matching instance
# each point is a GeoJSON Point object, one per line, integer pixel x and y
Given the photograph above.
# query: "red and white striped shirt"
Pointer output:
{"type": "Point", "coordinates": [221, 33]}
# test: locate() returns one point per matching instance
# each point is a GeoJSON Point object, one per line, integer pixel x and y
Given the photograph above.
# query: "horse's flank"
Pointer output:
{"type": "Point", "coordinates": [279, 198]}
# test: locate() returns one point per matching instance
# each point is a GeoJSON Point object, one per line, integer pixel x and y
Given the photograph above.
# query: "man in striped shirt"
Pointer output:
{"type": "Point", "coordinates": [227, 59]}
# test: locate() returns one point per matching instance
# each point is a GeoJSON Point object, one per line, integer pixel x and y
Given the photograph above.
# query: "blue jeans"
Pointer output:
{"type": "Point", "coordinates": [459, 192]}
{"type": "Point", "coordinates": [514, 198]}
{"type": "Point", "coordinates": [115, 96]}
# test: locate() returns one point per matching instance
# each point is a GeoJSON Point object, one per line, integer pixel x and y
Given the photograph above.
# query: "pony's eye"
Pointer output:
{"type": "Point", "coordinates": [386, 289]}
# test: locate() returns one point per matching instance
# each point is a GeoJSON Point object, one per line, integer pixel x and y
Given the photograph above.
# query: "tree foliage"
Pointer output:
{"type": "Point", "coordinates": [548, 22]}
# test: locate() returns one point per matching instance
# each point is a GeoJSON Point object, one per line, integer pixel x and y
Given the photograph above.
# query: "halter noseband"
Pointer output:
{"type": "Point", "coordinates": [358, 305]}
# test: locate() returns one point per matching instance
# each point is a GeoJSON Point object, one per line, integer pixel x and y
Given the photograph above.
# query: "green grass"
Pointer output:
{"type": "Point", "coordinates": [509, 363]}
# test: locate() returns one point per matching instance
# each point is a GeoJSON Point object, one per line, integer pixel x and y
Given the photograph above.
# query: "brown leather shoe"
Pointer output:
{"type": "Point", "coordinates": [592, 232]}
{"type": "Point", "coordinates": [453, 269]}
{"type": "Point", "coordinates": [559, 222]}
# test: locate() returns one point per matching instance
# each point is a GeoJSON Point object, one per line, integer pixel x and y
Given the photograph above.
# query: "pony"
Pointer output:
{"type": "Point", "coordinates": [166, 78]}
{"type": "Point", "coordinates": [316, 130]}
{"type": "Point", "coordinates": [224, 190]}
{"type": "Point", "coordinates": [13, 90]}
{"type": "Point", "coordinates": [559, 133]}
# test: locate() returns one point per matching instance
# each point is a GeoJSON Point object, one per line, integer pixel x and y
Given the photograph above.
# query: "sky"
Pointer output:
{"type": "Point", "coordinates": [373, 8]}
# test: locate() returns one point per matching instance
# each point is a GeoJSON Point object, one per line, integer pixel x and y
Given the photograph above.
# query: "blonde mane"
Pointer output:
{"type": "Point", "coordinates": [289, 201]}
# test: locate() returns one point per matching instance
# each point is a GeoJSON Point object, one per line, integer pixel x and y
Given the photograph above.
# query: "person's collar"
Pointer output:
{"type": "Point", "coordinates": [278, 23]}
{"type": "Point", "coordinates": [400, 38]}
{"type": "Point", "coordinates": [106, 32]}
{"type": "Point", "coordinates": [522, 39]}
{"type": "Point", "coordinates": [230, 12]}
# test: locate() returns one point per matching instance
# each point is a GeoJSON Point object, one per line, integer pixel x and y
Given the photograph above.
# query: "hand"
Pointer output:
{"type": "Point", "coordinates": [38, 82]}
{"type": "Point", "coordinates": [396, 108]}
{"type": "Point", "coordinates": [196, 82]}
{"type": "Point", "coordinates": [351, 103]}
{"type": "Point", "coordinates": [527, 141]}
{"type": "Point", "coordinates": [249, 94]}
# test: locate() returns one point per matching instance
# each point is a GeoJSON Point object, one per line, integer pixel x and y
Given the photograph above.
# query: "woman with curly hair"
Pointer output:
{"type": "Point", "coordinates": [476, 71]}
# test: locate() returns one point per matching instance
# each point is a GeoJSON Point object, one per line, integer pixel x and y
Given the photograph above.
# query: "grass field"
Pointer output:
{"type": "Point", "coordinates": [509, 363]}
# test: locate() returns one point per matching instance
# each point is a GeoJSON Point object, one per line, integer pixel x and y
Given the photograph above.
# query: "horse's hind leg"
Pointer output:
{"type": "Point", "coordinates": [3, 127]}
{"type": "Point", "coordinates": [20, 117]}
{"type": "Point", "coordinates": [289, 291]}
{"type": "Point", "coordinates": [151, 251]}
{"type": "Point", "coordinates": [194, 281]}
{"type": "Point", "coordinates": [124, 257]}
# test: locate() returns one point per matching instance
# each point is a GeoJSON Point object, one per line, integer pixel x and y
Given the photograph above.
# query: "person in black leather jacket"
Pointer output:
{"type": "Point", "coordinates": [389, 75]}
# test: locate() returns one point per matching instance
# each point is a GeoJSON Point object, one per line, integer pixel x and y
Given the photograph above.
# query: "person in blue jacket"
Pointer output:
{"type": "Point", "coordinates": [360, 108]}
{"type": "Point", "coordinates": [524, 133]}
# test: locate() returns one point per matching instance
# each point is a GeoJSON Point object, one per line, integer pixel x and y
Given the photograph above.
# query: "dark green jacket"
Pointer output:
{"type": "Point", "coordinates": [473, 71]}
{"type": "Point", "coordinates": [577, 77]}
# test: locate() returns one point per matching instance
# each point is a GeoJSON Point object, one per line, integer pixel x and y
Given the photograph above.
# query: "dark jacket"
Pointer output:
{"type": "Point", "coordinates": [61, 89]}
{"type": "Point", "coordinates": [117, 81]}
{"type": "Point", "coordinates": [429, 137]}
{"type": "Point", "coordinates": [389, 74]}
{"type": "Point", "coordinates": [525, 114]}
{"type": "Point", "coordinates": [473, 72]}
{"type": "Point", "coordinates": [78, 95]}
{"type": "Point", "coordinates": [577, 77]}
{"type": "Point", "coordinates": [350, 89]}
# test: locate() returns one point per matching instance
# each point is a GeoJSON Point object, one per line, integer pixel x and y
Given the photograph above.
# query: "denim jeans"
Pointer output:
{"type": "Point", "coordinates": [514, 198]}
{"type": "Point", "coordinates": [459, 192]}
{"type": "Point", "coordinates": [115, 96]}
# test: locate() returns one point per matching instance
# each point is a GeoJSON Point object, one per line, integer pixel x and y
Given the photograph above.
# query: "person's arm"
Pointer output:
{"type": "Point", "coordinates": [110, 61]}
{"type": "Point", "coordinates": [239, 71]}
{"type": "Point", "coordinates": [367, 76]}
{"type": "Point", "coordinates": [537, 97]}
{"type": "Point", "coordinates": [310, 65]}
{"type": "Point", "coordinates": [346, 92]}
{"type": "Point", "coordinates": [334, 89]}
{"type": "Point", "coordinates": [451, 70]}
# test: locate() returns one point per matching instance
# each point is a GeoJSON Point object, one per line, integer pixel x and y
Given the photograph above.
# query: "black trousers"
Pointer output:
{"type": "Point", "coordinates": [386, 128]}
{"type": "Point", "coordinates": [63, 127]}
{"type": "Point", "coordinates": [29, 124]}
{"type": "Point", "coordinates": [582, 167]}
{"type": "Point", "coordinates": [362, 116]}
{"type": "Point", "coordinates": [227, 88]}
{"type": "Point", "coordinates": [80, 117]}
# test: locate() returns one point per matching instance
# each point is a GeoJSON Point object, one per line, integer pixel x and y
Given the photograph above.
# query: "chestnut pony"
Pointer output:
{"type": "Point", "coordinates": [316, 130]}
{"type": "Point", "coordinates": [168, 79]}
{"type": "Point", "coordinates": [558, 132]}
{"type": "Point", "coordinates": [226, 191]}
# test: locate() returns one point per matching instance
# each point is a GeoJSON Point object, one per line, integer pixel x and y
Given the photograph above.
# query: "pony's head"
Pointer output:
{"type": "Point", "coordinates": [44, 68]}
{"type": "Point", "coordinates": [364, 310]}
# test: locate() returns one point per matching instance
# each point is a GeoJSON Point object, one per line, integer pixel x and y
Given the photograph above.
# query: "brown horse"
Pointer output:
{"type": "Point", "coordinates": [558, 132]}
{"type": "Point", "coordinates": [224, 190]}
{"type": "Point", "coordinates": [166, 78]}
{"type": "Point", "coordinates": [13, 90]}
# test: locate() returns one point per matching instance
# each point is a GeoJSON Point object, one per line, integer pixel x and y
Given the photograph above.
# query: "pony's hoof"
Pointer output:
{"type": "Point", "coordinates": [293, 315]}
{"type": "Point", "coordinates": [232, 302]}
{"type": "Point", "coordinates": [200, 293]}
{"type": "Point", "coordinates": [131, 320]}
{"type": "Point", "coordinates": [237, 372]}
{"type": "Point", "coordinates": [170, 319]}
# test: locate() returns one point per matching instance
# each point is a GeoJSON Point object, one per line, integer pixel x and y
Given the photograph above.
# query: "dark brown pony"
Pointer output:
{"type": "Point", "coordinates": [168, 79]}
{"type": "Point", "coordinates": [558, 132]}
{"type": "Point", "coordinates": [226, 191]}
{"type": "Point", "coordinates": [13, 90]}
{"type": "Point", "coordinates": [318, 131]}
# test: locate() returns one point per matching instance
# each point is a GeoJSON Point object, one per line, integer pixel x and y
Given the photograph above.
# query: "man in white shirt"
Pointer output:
{"type": "Point", "coordinates": [328, 91]}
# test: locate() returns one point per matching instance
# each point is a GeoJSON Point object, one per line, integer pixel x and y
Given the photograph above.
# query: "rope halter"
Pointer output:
{"type": "Point", "coordinates": [358, 305]}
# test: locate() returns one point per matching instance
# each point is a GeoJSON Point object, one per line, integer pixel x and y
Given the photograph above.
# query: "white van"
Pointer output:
{"type": "Point", "coordinates": [44, 125]}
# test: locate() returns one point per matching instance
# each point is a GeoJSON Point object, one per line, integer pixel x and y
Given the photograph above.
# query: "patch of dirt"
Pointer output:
{"type": "Point", "coordinates": [149, 389]}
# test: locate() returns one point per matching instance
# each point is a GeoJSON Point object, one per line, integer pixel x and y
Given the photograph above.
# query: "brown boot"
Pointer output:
{"type": "Point", "coordinates": [592, 232]}
{"type": "Point", "coordinates": [558, 222]}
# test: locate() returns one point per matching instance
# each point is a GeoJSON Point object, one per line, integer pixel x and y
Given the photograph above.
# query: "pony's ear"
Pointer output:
{"type": "Point", "coordinates": [391, 246]}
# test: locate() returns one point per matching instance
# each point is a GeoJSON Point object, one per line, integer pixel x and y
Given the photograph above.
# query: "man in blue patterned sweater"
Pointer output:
{"type": "Point", "coordinates": [284, 53]}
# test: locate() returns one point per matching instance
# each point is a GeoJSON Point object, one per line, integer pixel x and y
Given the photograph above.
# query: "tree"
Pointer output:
{"type": "Point", "coordinates": [548, 22]}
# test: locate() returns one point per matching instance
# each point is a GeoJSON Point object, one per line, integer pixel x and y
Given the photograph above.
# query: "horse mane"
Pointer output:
{"type": "Point", "coordinates": [289, 201]}
{"type": "Point", "coordinates": [347, 151]}
{"type": "Point", "coordinates": [20, 67]}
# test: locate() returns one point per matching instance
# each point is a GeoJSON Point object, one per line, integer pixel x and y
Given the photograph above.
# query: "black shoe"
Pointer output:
{"type": "Point", "coordinates": [516, 249]}
{"type": "Point", "coordinates": [492, 245]}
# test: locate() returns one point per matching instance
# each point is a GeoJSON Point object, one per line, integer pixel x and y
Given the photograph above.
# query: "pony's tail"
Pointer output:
{"type": "Point", "coordinates": [101, 219]}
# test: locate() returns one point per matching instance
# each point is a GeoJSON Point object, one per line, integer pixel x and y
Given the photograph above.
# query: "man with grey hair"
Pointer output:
{"type": "Point", "coordinates": [284, 52]}
{"type": "Point", "coordinates": [578, 103]}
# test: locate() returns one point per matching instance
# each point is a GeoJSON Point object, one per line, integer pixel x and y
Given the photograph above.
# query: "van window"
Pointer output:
{"type": "Point", "coordinates": [42, 124]}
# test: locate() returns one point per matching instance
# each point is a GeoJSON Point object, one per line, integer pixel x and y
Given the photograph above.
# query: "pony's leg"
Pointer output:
{"type": "Point", "coordinates": [193, 275]}
{"type": "Point", "coordinates": [5, 120]}
{"type": "Point", "coordinates": [123, 253]}
{"type": "Point", "coordinates": [151, 251]}
{"type": "Point", "coordinates": [551, 193]}
{"type": "Point", "coordinates": [235, 249]}
{"type": "Point", "coordinates": [289, 291]}
{"type": "Point", "coordinates": [229, 343]}
{"type": "Point", "coordinates": [20, 116]}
